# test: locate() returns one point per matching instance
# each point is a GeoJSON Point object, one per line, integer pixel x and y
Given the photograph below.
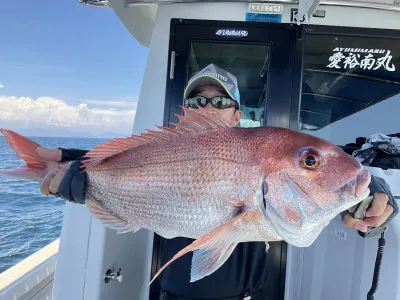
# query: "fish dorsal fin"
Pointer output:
{"type": "Point", "coordinates": [193, 121]}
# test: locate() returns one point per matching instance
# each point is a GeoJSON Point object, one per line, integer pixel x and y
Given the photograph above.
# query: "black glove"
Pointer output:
{"type": "Point", "coordinates": [73, 185]}
{"type": "Point", "coordinates": [72, 154]}
{"type": "Point", "coordinates": [378, 185]}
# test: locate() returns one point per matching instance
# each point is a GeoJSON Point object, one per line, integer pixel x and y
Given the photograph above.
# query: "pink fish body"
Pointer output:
{"type": "Point", "coordinates": [215, 183]}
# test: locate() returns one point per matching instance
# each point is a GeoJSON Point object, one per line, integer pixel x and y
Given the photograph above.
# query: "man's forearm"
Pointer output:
{"type": "Point", "coordinates": [72, 154]}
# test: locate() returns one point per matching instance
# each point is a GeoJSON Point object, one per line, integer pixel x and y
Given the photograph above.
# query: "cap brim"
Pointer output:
{"type": "Point", "coordinates": [206, 79]}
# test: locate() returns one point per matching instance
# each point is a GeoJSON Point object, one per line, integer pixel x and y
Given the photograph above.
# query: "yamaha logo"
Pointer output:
{"type": "Point", "coordinates": [232, 32]}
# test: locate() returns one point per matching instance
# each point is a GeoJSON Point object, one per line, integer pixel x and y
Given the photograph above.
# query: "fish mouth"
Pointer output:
{"type": "Point", "coordinates": [357, 187]}
{"type": "Point", "coordinates": [364, 179]}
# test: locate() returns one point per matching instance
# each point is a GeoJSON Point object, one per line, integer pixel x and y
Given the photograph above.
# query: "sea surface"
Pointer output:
{"type": "Point", "coordinates": [29, 220]}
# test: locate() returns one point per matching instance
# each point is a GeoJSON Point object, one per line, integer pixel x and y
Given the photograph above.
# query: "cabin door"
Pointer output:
{"type": "Point", "coordinates": [264, 59]}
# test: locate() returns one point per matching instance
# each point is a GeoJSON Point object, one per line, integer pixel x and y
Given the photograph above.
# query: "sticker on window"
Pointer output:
{"type": "Point", "coordinates": [365, 59]}
{"type": "Point", "coordinates": [264, 13]}
{"type": "Point", "coordinates": [263, 18]}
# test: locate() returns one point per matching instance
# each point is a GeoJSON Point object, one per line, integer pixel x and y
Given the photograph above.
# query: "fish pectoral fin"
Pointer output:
{"type": "Point", "coordinates": [211, 250]}
{"type": "Point", "coordinates": [207, 260]}
{"type": "Point", "coordinates": [109, 220]}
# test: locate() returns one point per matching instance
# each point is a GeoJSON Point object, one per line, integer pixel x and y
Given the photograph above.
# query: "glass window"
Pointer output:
{"type": "Point", "coordinates": [248, 62]}
{"type": "Point", "coordinates": [343, 75]}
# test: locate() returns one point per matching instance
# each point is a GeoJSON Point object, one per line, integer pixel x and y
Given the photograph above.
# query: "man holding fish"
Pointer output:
{"type": "Point", "coordinates": [318, 182]}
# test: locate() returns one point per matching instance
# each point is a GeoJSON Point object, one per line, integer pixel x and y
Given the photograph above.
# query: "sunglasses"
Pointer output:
{"type": "Point", "coordinates": [217, 102]}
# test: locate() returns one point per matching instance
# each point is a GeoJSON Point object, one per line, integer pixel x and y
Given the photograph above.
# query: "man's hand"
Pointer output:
{"type": "Point", "coordinates": [49, 154]}
{"type": "Point", "coordinates": [66, 180]}
{"type": "Point", "coordinates": [52, 180]}
{"type": "Point", "coordinates": [376, 215]}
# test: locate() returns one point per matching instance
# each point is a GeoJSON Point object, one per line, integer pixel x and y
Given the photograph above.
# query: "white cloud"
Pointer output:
{"type": "Point", "coordinates": [53, 116]}
{"type": "Point", "coordinates": [1, 86]}
{"type": "Point", "coordinates": [129, 103]}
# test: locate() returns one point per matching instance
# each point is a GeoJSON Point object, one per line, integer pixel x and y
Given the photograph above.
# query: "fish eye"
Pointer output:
{"type": "Point", "coordinates": [309, 159]}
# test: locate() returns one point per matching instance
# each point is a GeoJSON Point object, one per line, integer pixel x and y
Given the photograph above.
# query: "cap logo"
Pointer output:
{"type": "Point", "coordinates": [219, 76]}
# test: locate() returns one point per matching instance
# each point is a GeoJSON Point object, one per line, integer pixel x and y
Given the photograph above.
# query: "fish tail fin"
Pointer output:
{"type": "Point", "coordinates": [25, 172]}
{"type": "Point", "coordinates": [26, 150]}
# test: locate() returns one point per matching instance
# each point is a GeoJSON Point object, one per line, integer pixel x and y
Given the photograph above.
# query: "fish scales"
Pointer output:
{"type": "Point", "coordinates": [169, 182]}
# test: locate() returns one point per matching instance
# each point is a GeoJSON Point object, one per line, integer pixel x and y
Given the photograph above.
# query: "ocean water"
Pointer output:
{"type": "Point", "coordinates": [29, 220]}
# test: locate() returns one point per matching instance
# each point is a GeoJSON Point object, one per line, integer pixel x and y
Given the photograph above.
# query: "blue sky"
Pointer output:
{"type": "Point", "coordinates": [76, 61]}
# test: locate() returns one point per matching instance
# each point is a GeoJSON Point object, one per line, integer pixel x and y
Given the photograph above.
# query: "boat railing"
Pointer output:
{"type": "Point", "coordinates": [32, 278]}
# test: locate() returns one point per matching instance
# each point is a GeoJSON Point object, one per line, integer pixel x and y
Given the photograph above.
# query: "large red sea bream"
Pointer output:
{"type": "Point", "coordinates": [218, 184]}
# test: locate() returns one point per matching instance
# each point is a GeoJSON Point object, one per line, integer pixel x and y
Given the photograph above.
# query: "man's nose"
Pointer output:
{"type": "Point", "coordinates": [210, 108]}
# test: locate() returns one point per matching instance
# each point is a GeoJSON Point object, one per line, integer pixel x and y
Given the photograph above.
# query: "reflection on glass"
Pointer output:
{"type": "Point", "coordinates": [248, 62]}
{"type": "Point", "coordinates": [343, 75]}
{"type": "Point", "coordinates": [252, 117]}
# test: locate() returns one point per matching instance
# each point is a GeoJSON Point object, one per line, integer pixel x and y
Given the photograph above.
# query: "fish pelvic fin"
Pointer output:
{"type": "Point", "coordinates": [107, 219]}
{"type": "Point", "coordinates": [193, 121]}
{"type": "Point", "coordinates": [212, 250]}
{"type": "Point", "coordinates": [206, 261]}
{"type": "Point", "coordinates": [26, 150]}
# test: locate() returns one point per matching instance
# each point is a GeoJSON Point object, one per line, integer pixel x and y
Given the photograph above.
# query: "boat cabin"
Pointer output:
{"type": "Point", "coordinates": [332, 70]}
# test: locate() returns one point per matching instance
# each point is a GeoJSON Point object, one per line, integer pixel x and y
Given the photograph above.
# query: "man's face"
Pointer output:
{"type": "Point", "coordinates": [230, 114]}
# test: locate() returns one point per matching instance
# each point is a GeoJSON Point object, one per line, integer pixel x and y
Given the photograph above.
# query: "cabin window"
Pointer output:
{"type": "Point", "coordinates": [343, 75]}
{"type": "Point", "coordinates": [248, 62]}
